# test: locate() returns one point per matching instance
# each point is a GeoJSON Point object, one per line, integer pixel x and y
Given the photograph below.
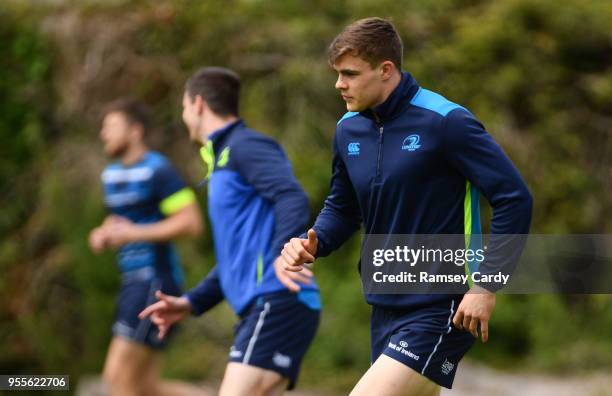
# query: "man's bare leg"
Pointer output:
{"type": "Point", "coordinates": [133, 369]}
{"type": "Point", "coordinates": [125, 366]}
{"type": "Point", "coordinates": [388, 377]}
{"type": "Point", "coordinates": [244, 380]}
{"type": "Point", "coordinates": [156, 386]}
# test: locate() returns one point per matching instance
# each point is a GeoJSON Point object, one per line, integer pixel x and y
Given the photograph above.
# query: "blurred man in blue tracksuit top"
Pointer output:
{"type": "Point", "coordinates": [255, 204]}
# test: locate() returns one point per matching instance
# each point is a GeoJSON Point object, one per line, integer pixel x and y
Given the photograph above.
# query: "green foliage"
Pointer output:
{"type": "Point", "coordinates": [25, 65]}
{"type": "Point", "coordinates": [537, 73]}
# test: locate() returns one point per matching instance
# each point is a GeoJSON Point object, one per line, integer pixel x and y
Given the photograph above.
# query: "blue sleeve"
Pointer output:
{"type": "Point", "coordinates": [206, 294]}
{"type": "Point", "coordinates": [474, 153]}
{"type": "Point", "coordinates": [166, 181]}
{"type": "Point", "coordinates": [340, 216]}
{"type": "Point", "coordinates": [264, 165]}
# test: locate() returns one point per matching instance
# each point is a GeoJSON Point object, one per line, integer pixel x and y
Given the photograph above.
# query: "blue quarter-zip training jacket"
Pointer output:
{"type": "Point", "coordinates": [255, 205]}
{"type": "Point", "coordinates": [415, 164]}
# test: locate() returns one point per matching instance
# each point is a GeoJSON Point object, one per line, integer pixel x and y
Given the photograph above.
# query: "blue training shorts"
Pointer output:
{"type": "Point", "coordinates": [423, 339]}
{"type": "Point", "coordinates": [275, 331]}
{"type": "Point", "coordinates": [137, 292]}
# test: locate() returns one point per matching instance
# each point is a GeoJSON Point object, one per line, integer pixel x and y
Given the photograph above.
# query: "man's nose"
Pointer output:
{"type": "Point", "coordinates": [340, 84]}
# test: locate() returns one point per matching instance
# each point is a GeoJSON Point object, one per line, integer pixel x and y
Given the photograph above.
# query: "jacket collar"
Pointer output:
{"type": "Point", "coordinates": [207, 152]}
{"type": "Point", "coordinates": [217, 135]}
{"type": "Point", "coordinates": [397, 102]}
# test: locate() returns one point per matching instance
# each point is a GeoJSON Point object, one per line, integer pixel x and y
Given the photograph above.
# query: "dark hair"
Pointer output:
{"type": "Point", "coordinates": [371, 39]}
{"type": "Point", "coordinates": [134, 110]}
{"type": "Point", "coordinates": [218, 86]}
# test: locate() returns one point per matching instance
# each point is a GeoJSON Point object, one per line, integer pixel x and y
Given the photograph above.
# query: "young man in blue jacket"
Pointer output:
{"type": "Point", "coordinates": [408, 161]}
{"type": "Point", "coordinates": [255, 204]}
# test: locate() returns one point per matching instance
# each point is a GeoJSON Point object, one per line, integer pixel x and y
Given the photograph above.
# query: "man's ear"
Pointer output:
{"type": "Point", "coordinates": [200, 104]}
{"type": "Point", "coordinates": [137, 131]}
{"type": "Point", "coordinates": [387, 68]}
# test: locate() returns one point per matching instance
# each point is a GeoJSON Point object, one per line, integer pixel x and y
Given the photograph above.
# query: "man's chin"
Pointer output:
{"type": "Point", "coordinates": [194, 138]}
{"type": "Point", "coordinates": [353, 107]}
{"type": "Point", "coordinates": [193, 135]}
{"type": "Point", "coordinates": [113, 152]}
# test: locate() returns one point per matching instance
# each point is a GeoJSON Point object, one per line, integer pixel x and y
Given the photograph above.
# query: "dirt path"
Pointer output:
{"type": "Point", "coordinates": [472, 380]}
{"type": "Point", "coordinates": [477, 380]}
{"type": "Point", "coordinates": [92, 386]}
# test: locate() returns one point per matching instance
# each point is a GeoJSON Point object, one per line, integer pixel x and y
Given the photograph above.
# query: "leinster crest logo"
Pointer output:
{"type": "Point", "coordinates": [411, 143]}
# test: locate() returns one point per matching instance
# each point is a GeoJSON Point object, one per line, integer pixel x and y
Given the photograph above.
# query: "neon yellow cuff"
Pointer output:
{"type": "Point", "coordinates": [177, 201]}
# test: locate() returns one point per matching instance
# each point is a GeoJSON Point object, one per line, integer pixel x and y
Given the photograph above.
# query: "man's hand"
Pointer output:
{"type": "Point", "coordinates": [475, 308]}
{"type": "Point", "coordinates": [298, 252]}
{"type": "Point", "coordinates": [109, 234]}
{"type": "Point", "coordinates": [166, 312]}
{"type": "Point", "coordinates": [97, 240]}
{"type": "Point", "coordinates": [120, 231]}
{"type": "Point", "coordinates": [291, 279]}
